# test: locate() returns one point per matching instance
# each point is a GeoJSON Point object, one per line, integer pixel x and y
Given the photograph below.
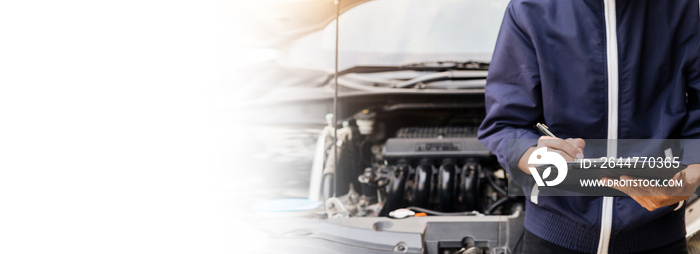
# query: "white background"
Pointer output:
{"type": "Point", "coordinates": [115, 127]}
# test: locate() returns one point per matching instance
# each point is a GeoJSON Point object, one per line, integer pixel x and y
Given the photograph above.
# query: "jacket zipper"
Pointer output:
{"type": "Point", "coordinates": [613, 90]}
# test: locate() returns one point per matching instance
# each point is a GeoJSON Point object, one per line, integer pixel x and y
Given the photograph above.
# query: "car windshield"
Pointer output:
{"type": "Point", "coordinates": [397, 32]}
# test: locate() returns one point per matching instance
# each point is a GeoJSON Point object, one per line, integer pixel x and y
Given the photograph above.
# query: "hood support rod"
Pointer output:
{"type": "Point", "coordinates": [335, 96]}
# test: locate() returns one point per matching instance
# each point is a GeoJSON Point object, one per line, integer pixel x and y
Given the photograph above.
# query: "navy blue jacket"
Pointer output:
{"type": "Point", "coordinates": [595, 69]}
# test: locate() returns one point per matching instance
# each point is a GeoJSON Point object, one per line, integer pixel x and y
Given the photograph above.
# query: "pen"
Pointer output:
{"type": "Point", "coordinates": [545, 129]}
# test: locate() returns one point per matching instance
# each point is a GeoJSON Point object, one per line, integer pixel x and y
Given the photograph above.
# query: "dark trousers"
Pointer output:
{"type": "Point", "coordinates": [530, 243]}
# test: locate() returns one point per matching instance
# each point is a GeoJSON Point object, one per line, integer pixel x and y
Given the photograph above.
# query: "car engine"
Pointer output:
{"type": "Point", "coordinates": [401, 162]}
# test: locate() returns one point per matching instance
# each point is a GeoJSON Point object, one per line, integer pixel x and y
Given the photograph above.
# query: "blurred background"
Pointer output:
{"type": "Point", "coordinates": [284, 62]}
{"type": "Point", "coordinates": [116, 135]}
{"type": "Point", "coordinates": [154, 126]}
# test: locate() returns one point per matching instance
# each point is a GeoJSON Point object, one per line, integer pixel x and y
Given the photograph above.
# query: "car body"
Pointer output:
{"type": "Point", "coordinates": [410, 96]}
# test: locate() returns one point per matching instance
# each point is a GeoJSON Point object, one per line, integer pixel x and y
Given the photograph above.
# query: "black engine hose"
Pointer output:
{"type": "Point", "coordinates": [496, 204]}
{"type": "Point", "coordinates": [489, 177]}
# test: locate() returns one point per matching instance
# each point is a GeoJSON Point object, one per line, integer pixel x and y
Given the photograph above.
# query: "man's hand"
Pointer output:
{"type": "Point", "coordinates": [653, 198]}
{"type": "Point", "coordinates": [569, 148]}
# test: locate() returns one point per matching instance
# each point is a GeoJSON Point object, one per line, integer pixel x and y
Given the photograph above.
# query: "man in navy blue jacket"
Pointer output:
{"type": "Point", "coordinates": [597, 69]}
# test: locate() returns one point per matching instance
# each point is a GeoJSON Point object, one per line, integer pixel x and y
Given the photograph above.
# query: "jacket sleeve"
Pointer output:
{"type": "Point", "coordinates": [513, 99]}
{"type": "Point", "coordinates": [690, 134]}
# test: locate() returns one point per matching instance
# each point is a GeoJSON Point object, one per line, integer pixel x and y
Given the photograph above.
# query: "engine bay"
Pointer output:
{"type": "Point", "coordinates": [412, 161]}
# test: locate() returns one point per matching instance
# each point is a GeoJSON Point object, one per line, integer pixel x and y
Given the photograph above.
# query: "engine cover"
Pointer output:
{"type": "Point", "coordinates": [435, 142]}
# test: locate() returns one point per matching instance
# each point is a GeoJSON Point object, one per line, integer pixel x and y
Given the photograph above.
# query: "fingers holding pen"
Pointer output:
{"type": "Point", "coordinates": [570, 148]}
{"type": "Point", "coordinates": [577, 142]}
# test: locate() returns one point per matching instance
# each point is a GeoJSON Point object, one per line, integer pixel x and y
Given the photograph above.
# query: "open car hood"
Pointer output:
{"type": "Point", "coordinates": [272, 23]}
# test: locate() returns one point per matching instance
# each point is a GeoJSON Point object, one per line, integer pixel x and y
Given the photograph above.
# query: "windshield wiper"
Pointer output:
{"type": "Point", "coordinates": [440, 66]}
{"type": "Point", "coordinates": [440, 76]}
